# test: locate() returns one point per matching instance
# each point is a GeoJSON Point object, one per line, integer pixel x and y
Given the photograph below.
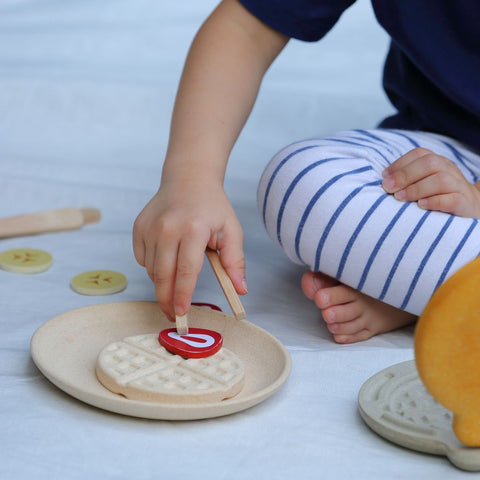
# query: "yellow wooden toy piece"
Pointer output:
{"type": "Point", "coordinates": [99, 282]}
{"type": "Point", "coordinates": [25, 260]}
{"type": "Point", "coordinates": [447, 350]}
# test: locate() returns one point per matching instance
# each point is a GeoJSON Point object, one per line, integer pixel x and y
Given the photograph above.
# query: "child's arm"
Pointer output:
{"type": "Point", "coordinates": [220, 81]}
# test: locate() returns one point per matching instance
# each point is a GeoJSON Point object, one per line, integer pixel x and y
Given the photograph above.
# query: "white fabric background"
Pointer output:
{"type": "Point", "coordinates": [86, 92]}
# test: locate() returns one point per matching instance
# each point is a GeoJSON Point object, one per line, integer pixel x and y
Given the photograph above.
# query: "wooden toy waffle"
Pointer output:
{"type": "Point", "coordinates": [140, 368]}
{"type": "Point", "coordinates": [395, 404]}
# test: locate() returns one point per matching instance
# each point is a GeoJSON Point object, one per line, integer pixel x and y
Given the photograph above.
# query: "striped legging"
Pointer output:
{"type": "Point", "coordinates": [322, 202]}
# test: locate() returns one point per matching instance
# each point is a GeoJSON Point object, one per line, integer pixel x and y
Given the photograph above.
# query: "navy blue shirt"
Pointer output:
{"type": "Point", "coordinates": [432, 71]}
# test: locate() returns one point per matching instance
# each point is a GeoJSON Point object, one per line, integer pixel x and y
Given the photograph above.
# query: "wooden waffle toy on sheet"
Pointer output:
{"type": "Point", "coordinates": [140, 368]}
{"type": "Point", "coordinates": [180, 365]}
{"type": "Point", "coordinates": [447, 350]}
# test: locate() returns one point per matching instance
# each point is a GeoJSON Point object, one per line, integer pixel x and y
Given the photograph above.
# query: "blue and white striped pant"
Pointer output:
{"type": "Point", "coordinates": [322, 201]}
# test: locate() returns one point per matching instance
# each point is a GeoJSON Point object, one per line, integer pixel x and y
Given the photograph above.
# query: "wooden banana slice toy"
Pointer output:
{"type": "Point", "coordinates": [447, 350]}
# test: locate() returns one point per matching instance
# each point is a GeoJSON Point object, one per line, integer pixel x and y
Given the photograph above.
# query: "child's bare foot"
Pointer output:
{"type": "Point", "coordinates": [351, 316]}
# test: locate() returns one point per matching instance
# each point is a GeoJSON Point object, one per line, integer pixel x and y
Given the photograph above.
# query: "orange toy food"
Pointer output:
{"type": "Point", "coordinates": [447, 350]}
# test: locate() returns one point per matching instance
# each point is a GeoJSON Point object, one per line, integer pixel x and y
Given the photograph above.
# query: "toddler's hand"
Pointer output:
{"type": "Point", "coordinates": [432, 181]}
{"type": "Point", "coordinates": [170, 236]}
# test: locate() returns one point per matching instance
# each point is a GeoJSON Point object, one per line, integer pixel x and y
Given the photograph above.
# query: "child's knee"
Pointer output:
{"type": "Point", "coordinates": [305, 185]}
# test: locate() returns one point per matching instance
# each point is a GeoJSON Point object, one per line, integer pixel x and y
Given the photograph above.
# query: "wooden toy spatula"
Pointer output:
{"type": "Point", "coordinates": [227, 287]}
{"type": "Point", "coordinates": [226, 284]}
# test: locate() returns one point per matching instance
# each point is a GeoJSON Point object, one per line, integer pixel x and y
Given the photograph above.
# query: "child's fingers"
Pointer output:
{"type": "Point", "coordinates": [453, 203]}
{"type": "Point", "coordinates": [138, 246]}
{"type": "Point", "coordinates": [189, 264]}
{"type": "Point", "coordinates": [412, 172]}
{"type": "Point", "coordinates": [404, 160]}
{"type": "Point", "coordinates": [233, 259]}
{"type": "Point", "coordinates": [436, 184]}
{"type": "Point", "coordinates": [150, 261]}
{"type": "Point", "coordinates": [417, 170]}
{"type": "Point", "coordinates": [164, 280]}
{"type": "Point", "coordinates": [163, 277]}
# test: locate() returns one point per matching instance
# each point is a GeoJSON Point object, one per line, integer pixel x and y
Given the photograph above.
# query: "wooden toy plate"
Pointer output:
{"type": "Point", "coordinates": [65, 349]}
{"type": "Point", "coordinates": [395, 404]}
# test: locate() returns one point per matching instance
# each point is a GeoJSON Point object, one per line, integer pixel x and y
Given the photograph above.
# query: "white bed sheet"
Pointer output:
{"type": "Point", "coordinates": [86, 92]}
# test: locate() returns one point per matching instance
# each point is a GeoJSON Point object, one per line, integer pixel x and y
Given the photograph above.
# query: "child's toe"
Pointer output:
{"type": "Point", "coordinates": [347, 328]}
{"type": "Point", "coordinates": [342, 313]}
{"type": "Point", "coordinates": [312, 282]}
{"type": "Point", "coordinates": [308, 285]}
{"type": "Point", "coordinates": [356, 337]}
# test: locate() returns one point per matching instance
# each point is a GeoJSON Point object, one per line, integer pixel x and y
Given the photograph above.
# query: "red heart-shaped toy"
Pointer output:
{"type": "Point", "coordinates": [198, 343]}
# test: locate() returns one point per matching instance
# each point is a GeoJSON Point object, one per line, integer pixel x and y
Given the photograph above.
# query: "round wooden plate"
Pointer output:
{"type": "Point", "coordinates": [65, 349]}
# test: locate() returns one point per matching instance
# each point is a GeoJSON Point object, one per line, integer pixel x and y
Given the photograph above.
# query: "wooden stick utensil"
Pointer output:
{"type": "Point", "coordinates": [181, 322]}
{"type": "Point", "coordinates": [47, 221]}
{"type": "Point", "coordinates": [226, 284]}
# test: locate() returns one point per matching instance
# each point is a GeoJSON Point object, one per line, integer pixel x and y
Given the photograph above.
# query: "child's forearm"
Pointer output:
{"type": "Point", "coordinates": [190, 211]}
{"type": "Point", "coordinates": [219, 85]}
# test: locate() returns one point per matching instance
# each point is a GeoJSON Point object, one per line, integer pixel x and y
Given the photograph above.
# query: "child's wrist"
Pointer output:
{"type": "Point", "coordinates": [189, 169]}
{"type": "Point", "coordinates": [190, 179]}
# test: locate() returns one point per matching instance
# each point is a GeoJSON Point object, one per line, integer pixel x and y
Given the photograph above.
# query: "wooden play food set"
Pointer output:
{"type": "Point", "coordinates": [78, 336]}
{"type": "Point", "coordinates": [249, 367]}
